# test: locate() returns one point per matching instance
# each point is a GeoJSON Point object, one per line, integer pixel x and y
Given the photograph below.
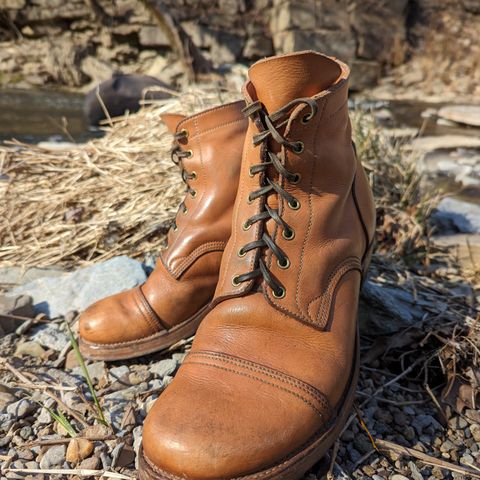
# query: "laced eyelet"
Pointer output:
{"type": "Point", "coordinates": [246, 226]}
{"type": "Point", "coordinates": [250, 173]}
{"type": "Point", "coordinates": [185, 210]}
{"type": "Point", "coordinates": [249, 200]}
{"type": "Point", "coordinates": [184, 133]}
{"type": "Point", "coordinates": [306, 118]}
{"type": "Point", "coordinates": [175, 228]}
{"type": "Point", "coordinates": [190, 153]}
{"type": "Point", "coordinates": [299, 147]}
{"type": "Point", "coordinates": [193, 175]}
{"type": "Point", "coordinates": [294, 204]}
{"type": "Point", "coordinates": [235, 281]}
{"type": "Point", "coordinates": [284, 265]}
{"type": "Point", "coordinates": [281, 294]}
{"type": "Point", "coordinates": [288, 234]}
{"type": "Point", "coordinates": [193, 193]}
{"type": "Point", "coordinates": [241, 253]}
{"type": "Point", "coordinates": [296, 179]}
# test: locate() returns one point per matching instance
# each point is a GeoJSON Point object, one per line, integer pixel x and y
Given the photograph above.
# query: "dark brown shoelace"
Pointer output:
{"type": "Point", "coordinates": [268, 186]}
{"type": "Point", "coordinates": [178, 155]}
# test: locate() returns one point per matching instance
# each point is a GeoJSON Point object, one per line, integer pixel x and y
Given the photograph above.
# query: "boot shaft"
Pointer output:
{"type": "Point", "coordinates": [298, 103]}
{"type": "Point", "coordinates": [209, 146]}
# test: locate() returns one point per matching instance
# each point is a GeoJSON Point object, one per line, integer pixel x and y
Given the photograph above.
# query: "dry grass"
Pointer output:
{"type": "Point", "coordinates": [112, 196]}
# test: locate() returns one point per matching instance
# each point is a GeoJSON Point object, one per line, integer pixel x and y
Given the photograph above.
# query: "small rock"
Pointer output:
{"type": "Point", "coordinates": [19, 305]}
{"type": "Point", "coordinates": [6, 398]}
{"type": "Point", "coordinates": [119, 374]}
{"type": "Point", "coordinates": [164, 367]}
{"type": "Point", "coordinates": [397, 476]}
{"type": "Point", "coordinates": [78, 449]}
{"type": "Point", "coordinates": [56, 296]}
{"type": "Point", "coordinates": [91, 463]}
{"type": "Point", "coordinates": [53, 456]}
{"type": "Point", "coordinates": [96, 370]}
{"type": "Point", "coordinates": [475, 431]}
{"type": "Point", "coordinates": [122, 455]}
{"type": "Point", "coordinates": [31, 348]}
{"type": "Point", "coordinates": [50, 337]}
{"type": "Point", "coordinates": [22, 408]}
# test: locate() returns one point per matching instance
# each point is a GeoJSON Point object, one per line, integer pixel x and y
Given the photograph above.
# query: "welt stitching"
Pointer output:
{"type": "Point", "coordinates": [266, 371]}
{"type": "Point", "coordinates": [253, 377]}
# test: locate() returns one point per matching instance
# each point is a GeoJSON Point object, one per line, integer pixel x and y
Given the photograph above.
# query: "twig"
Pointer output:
{"type": "Point", "coordinates": [427, 459]}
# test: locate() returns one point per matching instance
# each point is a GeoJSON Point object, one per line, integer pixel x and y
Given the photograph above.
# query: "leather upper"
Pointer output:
{"type": "Point", "coordinates": [186, 274]}
{"type": "Point", "coordinates": [266, 374]}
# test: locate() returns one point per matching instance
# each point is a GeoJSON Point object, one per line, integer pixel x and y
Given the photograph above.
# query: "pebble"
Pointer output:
{"type": "Point", "coordinates": [91, 463]}
{"type": "Point", "coordinates": [96, 370]}
{"type": "Point", "coordinates": [22, 408]}
{"type": "Point", "coordinates": [164, 368]}
{"type": "Point", "coordinates": [78, 449]}
{"type": "Point", "coordinates": [6, 399]}
{"type": "Point", "coordinates": [34, 349]}
{"type": "Point", "coordinates": [399, 477]}
{"type": "Point", "coordinates": [50, 336]}
{"type": "Point", "coordinates": [475, 431]}
{"type": "Point", "coordinates": [53, 456]}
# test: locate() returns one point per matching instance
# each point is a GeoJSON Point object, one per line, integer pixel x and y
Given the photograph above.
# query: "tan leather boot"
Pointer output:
{"type": "Point", "coordinates": [271, 376]}
{"type": "Point", "coordinates": [174, 299]}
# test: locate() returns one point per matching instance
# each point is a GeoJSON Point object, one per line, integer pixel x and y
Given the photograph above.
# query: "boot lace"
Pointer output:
{"type": "Point", "coordinates": [177, 156]}
{"type": "Point", "coordinates": [268, 185]}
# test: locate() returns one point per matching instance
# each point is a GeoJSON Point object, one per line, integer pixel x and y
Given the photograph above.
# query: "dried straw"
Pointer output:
{"type": "Point", "coordinates": [112, 196]}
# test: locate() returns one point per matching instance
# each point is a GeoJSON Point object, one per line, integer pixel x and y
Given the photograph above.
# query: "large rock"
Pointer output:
{"type": "Point", "coordinates": [465, 114]}
{"type": "Point", "coordinates": [454, 215]}
{"type": "Point", "coordinates": [55, 296]}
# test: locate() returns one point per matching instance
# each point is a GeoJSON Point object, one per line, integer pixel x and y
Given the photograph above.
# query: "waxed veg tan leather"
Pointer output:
{"type": "Point", "coordinates": [267, 376]}
{"type": "Point", "coordinates": [186, 274]}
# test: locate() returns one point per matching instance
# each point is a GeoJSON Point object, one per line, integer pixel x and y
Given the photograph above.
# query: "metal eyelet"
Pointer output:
{"type": "Point", "coordinates": [185, 210]}
{"type": "Point", "coordinates": [281, 294]}
{"type": "Point", "coordinates": [190, 153]}
{"type": "Point", "coordinates": [235, 281]}
{"type": "Point", "coordinates": [184, 132]}
{"type": "Point", "coordinates": [250, 173]}
{"type": "Point", "coordinates": [294, 204]}
{"type": "Point", "coordinates": [241, 252]}
{"type": "Point", "coordinates": [175, 228]}
{"type": "Point", "coordinates": [246, 226]}
{"type": "Point", "coordinates": [299, 148]}
{"type": "Point", "coordinates": [249, 200]}
{"type": "Point", "coordinates": [297, 179]}
{"type": "Point", "coordinates": [290, 236]}
{"type": "Point", "coordinates": [193, 193]}
{"type": "Point", "coordinates": [306, 119]}
{"type": "Point", "coordinates": [193, 175]}
{"type": "Point", "coordinates": [285, 265]}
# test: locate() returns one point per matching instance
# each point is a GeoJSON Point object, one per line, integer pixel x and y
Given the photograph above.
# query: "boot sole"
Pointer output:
{"type": "Point", "coordinates": [295, 466]}
{"type": "Point", "coordinates": [143, 346]}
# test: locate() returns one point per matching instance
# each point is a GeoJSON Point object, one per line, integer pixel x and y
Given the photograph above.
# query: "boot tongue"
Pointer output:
{"type": "Point", "coordinates": [171, 120]}
{"type": "Point", "coordinates": [278, 80]}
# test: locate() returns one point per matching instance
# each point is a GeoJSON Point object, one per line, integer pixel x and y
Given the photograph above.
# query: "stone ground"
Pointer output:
{"type": "Point", "coordinates": [400, 403]}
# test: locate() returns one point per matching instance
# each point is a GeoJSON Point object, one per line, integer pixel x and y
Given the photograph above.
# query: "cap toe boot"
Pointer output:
{"type": "Point", "coordinates": [175, 298]}
{"type": "Point", "coordinates": [270, 379]}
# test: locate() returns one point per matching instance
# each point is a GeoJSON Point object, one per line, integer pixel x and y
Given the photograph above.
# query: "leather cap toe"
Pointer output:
{"type": "Point", "coordinates": [237, 432]}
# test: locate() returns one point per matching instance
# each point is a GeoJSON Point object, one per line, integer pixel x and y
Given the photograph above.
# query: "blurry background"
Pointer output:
{"type": "Point", "coordinates": [425, 50]}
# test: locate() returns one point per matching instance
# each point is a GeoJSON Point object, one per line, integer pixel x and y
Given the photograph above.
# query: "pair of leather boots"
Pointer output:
{"type": "Point", "coordinates": [268, 252]}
